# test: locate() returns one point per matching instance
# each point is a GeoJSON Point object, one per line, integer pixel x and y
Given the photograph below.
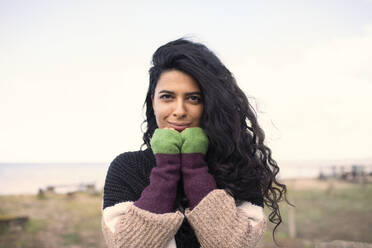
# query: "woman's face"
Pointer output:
{"type": "Point", "coordinates": [177, 101]}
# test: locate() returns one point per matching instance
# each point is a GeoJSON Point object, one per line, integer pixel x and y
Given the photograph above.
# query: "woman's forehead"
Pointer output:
{"type": "Point", "coordinates": [176, 81]}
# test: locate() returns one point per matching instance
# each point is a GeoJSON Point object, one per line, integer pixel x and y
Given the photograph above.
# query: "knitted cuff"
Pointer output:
{"type": "Point", "coordinates": [159, 196]}
{"type": "Point", "coordinates": [194, 140]}
{"type": "Point", "coordinates": [217, 222]}
{"type": "Point", "coordinates": [197, 181]}
{"type": "Point", "coordinates": [135, 227]}
{"type": "Point", "coordinates": [166, 141]}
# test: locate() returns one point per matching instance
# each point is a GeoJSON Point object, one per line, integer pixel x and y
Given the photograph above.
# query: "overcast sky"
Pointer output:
{"type": "Point", "coordinates": [74, 74]}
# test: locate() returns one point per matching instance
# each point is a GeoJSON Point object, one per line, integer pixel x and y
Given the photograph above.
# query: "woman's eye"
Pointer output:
{"type": "Point", "coordinates": [166, 96]}
{"type": "Point", "coordinates": [196, 99]}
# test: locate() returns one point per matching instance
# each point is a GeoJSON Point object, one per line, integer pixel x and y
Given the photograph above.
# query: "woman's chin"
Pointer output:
{"type": "Point", "coordinates": [179, 129]}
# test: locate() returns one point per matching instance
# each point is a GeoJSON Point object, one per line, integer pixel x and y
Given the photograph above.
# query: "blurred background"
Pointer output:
{"type": "Point", "coordinates": [73, 80]}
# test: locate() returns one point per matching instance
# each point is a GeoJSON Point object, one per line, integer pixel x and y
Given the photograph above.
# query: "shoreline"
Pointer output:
{"type": "Point", "coordinates": [291, 183]}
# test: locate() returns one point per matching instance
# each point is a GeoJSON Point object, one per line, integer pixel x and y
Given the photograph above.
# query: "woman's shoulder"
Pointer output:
{"type": "Point", "coordinates": [133, 159]}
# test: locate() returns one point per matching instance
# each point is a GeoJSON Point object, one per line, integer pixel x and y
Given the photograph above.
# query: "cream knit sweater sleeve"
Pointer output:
{"type": "Point", "coordinates": [217, 222]}
{"type": "Point", "coordinates": [125, 225]}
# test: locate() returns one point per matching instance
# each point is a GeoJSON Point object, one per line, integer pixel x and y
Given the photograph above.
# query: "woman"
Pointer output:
{"type": "Point", "coordinates": [206, 174]}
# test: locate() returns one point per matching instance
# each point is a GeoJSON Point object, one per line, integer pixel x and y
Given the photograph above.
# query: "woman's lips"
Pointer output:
{"type": "Point", "coordinates": [179, 127]}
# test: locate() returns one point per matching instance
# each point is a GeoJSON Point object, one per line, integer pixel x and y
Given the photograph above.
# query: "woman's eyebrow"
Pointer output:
{"type": "Point", "coordinates": [188, 93]}
{"type": "Point", "coordinates": [166, 91]}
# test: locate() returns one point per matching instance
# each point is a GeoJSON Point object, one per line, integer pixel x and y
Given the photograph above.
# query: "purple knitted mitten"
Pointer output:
{"type": "Point", "coordinates": [159, 196]}
{"type": "Point", "coordinates": [197, 181]}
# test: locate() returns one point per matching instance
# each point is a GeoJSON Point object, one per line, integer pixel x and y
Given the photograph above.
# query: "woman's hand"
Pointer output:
{"type": "Point", "coordinates": [166, 141]}
{"type": "Point", "coordinates": [197, 182]}
{"type": "Point", "coordinates": [194, 140]}
{"type": "Point", "coordinates": [159, 196]}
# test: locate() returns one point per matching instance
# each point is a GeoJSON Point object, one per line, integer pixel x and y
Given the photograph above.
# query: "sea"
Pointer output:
{"type": "Point", "coordinates": [29, 178]}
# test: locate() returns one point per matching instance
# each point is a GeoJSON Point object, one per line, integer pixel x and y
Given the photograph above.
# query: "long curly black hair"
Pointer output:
{"type": "Point", "coordinates": [237, 157]}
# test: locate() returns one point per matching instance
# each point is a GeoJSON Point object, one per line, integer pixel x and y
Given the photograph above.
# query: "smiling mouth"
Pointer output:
{"type": "Point", "coordinates": [179, 127]}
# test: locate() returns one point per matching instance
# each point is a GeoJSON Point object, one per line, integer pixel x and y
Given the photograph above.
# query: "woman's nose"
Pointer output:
{"type": "Point", "coordinates": [179, 109]}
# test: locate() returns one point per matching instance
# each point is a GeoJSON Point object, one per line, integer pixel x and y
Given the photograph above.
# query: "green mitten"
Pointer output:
{"type": "Point", "coordinates": [194, 140]}
{"type": "Point", "coordinates": [166, 141]}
